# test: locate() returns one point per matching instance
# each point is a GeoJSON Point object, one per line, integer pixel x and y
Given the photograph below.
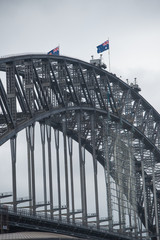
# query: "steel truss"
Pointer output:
{"type": "Point", "coordinates": [106, 117]}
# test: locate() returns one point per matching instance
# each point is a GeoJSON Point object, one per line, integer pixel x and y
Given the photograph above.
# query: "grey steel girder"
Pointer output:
{"type": "Point", "coordinates": [54, 89]}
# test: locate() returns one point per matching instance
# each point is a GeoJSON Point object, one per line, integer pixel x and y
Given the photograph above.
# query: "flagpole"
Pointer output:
{"type": "Point", "coordinates": [109, 63]}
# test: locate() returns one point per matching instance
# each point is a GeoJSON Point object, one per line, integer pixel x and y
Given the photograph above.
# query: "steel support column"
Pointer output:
{"type": "Point", "coordinates": [155, 203]}
{"type": "Point", "coordinates": [144, 191]}
{"type": "Point", "coordinates": [42, 129]}
{"type": "Point", "coordinates": [56, 133]}
{"type": "Point", "coordinates": [132, 210]}
{"type": "Point", "coordinates": [107, 171]}
{"type": "Point", "coordinates": [29, 168]}
{"type": "Point", "coordinates": [66, 165]}
{"type": "Point", "coordinates": [31, 141]}
{"type": "Point", "coordinates": [48, 128]}
{"type": "Point", "coordinates": [118, 158]}
{"type": "Point", "coordinates": [70, 148]}
{"type": "Point", "coordinates": [82, 173]}
{"type": "Point", "coordinates": [95, 167]}
{"type": "Point", "coordinates": [13, 158]}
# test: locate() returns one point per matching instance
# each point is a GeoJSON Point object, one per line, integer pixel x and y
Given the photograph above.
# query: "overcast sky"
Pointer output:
{"type": "Point", "coordinates": [78, 26]}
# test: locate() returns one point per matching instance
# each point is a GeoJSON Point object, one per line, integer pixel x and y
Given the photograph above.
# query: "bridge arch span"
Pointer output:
{"type": "Point", "coordinates": [105, 116]}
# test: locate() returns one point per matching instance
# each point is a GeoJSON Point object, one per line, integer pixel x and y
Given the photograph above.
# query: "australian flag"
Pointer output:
{"type": "Point", "coordinates": [103, 47]}
{"type": "Point", "coordinates": [54, 51]}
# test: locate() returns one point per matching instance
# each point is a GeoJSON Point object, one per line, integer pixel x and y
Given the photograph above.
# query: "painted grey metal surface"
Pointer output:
{"type": "Point", "coordinates": [104, 115]}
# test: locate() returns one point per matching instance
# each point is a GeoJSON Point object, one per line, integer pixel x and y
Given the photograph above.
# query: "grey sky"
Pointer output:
{"type": "Point", "coordinates": [78, 26]}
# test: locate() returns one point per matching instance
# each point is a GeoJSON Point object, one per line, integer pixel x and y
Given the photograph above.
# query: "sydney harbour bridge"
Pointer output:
{"type": "Point", "coordinates": [92, 151]}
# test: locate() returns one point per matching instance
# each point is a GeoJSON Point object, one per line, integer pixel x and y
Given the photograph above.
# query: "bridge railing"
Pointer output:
{"type": "Point", "coordinates": [7, 209]}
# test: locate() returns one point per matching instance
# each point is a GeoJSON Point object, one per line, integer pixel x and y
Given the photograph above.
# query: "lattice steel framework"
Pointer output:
{"type": "Point", "coordinates": [106, 117]}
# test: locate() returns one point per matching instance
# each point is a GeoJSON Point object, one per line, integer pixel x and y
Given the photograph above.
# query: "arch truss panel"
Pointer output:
{"type": "Point", "coordinates": [105, 117]}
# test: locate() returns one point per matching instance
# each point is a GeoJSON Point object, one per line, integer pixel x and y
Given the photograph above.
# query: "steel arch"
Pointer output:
{"type": "Point", "coordinates": [52, 88]}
